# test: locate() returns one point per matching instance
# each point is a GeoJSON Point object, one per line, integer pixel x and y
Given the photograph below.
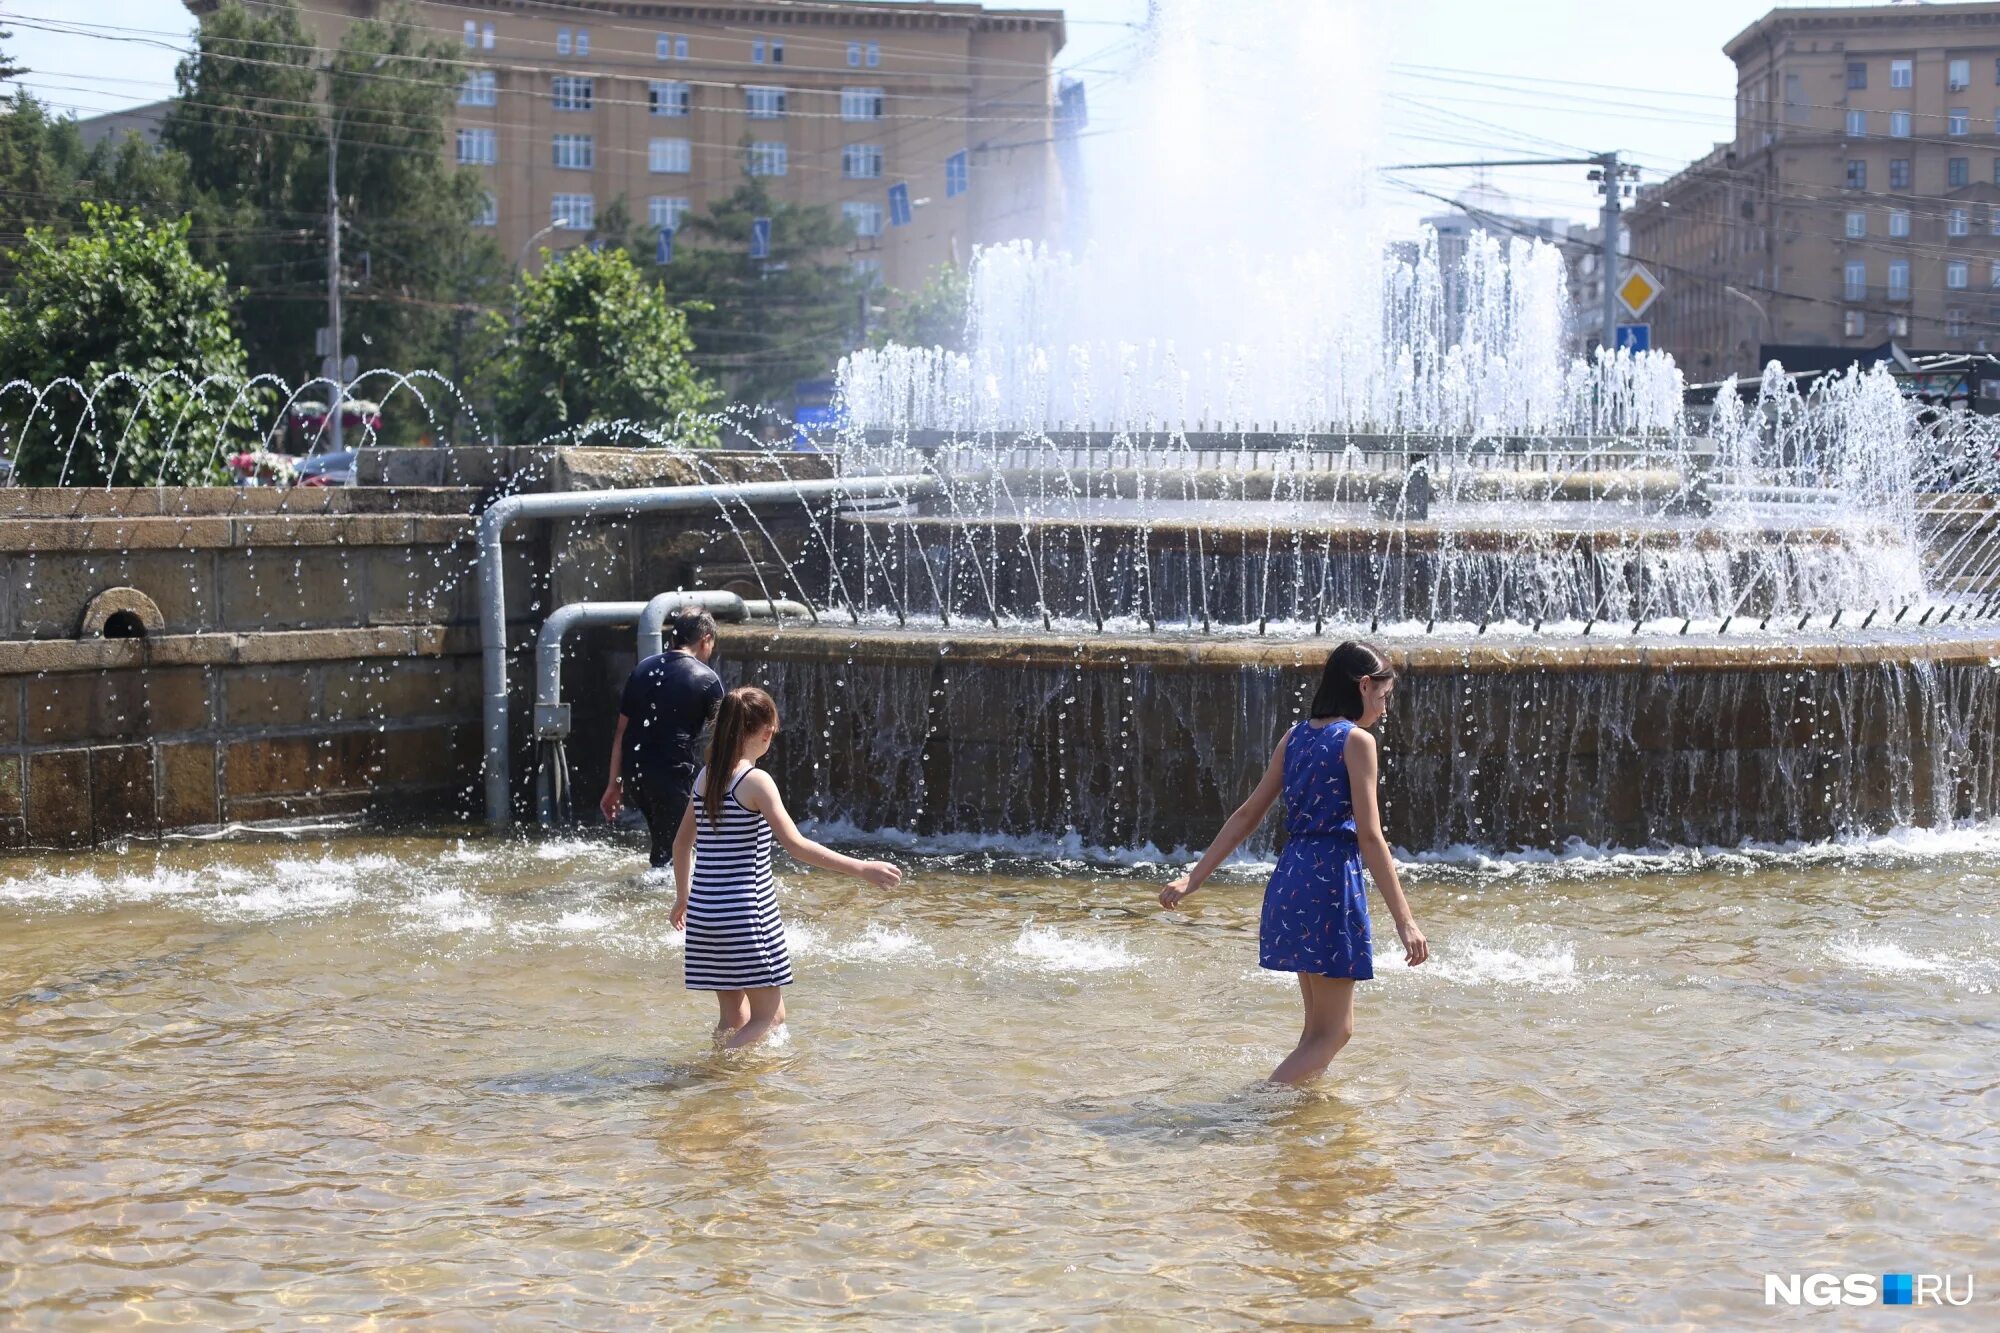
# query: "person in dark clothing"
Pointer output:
{"type": "Point", "coordinates": [669, 700]}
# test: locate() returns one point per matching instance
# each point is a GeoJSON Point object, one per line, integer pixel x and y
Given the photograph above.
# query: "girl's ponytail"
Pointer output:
{"type": "Point", "coordinates": [744, 710]}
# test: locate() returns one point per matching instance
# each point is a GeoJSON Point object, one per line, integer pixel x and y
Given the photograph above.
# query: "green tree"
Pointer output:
{"type": "Point", "coordinates": [592, 341]}
{"type": "Point", "coordinates": [408, 210]}
{"type": "Point", "coordinates": [248, 124]}
{"type": "Point", "coordinates": [41, 165]}
{"type": "Point", "coordinates": [115, 307]}
{"type": "Point", "coordinates": [767, 323]}
{"type": "Point", "coordinates": [931, 317]}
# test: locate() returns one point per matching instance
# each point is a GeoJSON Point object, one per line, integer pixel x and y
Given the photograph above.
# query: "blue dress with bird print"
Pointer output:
{"type": "Point", "coordinates": [1316, 905]}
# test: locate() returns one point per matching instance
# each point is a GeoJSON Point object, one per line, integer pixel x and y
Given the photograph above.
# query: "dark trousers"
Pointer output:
{"type": "Point", "coordinates": [663, 804]}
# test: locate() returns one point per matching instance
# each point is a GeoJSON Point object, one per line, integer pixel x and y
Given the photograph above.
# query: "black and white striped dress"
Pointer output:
{"type": "Point", "coordinates": [735, 939]}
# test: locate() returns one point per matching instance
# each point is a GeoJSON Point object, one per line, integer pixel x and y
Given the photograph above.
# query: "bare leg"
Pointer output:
{"type": "Point", "coordinates": [732, 1012]}
{"type": "Point", "coordinates": [767, 1011]}
{"type": "Point", "coordinates": [1329, 1023]}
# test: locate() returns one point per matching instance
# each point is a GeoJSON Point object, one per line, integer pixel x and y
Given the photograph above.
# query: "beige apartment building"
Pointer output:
{"type": "Point", "coordinates": [567, 105]}
{"type": "Point", "coordinates": [1858, 203]}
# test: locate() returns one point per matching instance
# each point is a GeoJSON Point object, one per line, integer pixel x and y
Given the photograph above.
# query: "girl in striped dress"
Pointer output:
{"type": "Point", "coordinates": [727, 902]}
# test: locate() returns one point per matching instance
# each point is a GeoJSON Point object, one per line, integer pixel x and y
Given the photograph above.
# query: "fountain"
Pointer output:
{"type": "Point", "coordinates": [1067, 584]}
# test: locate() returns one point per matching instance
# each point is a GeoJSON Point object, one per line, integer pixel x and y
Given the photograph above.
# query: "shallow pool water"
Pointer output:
{"type": "Point", "coordinates": [266, 1082]}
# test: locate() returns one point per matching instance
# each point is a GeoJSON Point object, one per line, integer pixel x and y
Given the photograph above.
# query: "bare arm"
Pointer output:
{"type": "Point", "coordinates": [1242, 822]}
{"type": "Point", "coordinates": [614, 786]}
{"type": "Point", "coordinates": [1362, 771]}
{"type": "Point", "coordinates": [758, 792]}
{"type": "Point", "coordinates": [684, 861]}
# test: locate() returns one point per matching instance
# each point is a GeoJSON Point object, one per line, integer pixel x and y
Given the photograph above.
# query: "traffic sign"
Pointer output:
{"type": "Point", "coordinates": [1638, 289]}
{"type": "Point", "coordinates": [760, 238]}
{"type": "Point", "coordinates": [1635, 337]}
{"type": "Point", "coordinates": [663, 253]}
{"type": "Point", "coordinates": [899, 205]}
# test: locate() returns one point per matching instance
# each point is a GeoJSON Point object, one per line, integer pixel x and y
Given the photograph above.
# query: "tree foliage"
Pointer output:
{"type": "Point", "coordinates": [591, 341]}
{"type": "Point", "coordinates": [933, 316]}
{"type": "Point", "coordinates": [122, 309]}
{"type": "Point", "coordinates": [766, 323]}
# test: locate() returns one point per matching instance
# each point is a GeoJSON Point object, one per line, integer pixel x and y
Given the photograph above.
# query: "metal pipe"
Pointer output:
{"type": "Point", "coordinates": [725, 606]}
{"type": "Point", "coordinates": [551, 714]}
{"type": "Point", "coordinates": [604, 504]}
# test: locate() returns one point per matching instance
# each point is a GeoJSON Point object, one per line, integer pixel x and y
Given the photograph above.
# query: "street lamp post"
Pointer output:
{"type": "Point", "coordinates": [1755, 304]}
{"type": "Point", "coordinates": [521, 260]}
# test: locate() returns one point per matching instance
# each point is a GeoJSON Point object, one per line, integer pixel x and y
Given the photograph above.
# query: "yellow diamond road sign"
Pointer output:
{"type": "Point", "coordinates": [1638, 289]}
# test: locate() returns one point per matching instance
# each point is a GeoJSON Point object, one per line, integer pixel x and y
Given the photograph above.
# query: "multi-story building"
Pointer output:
{"type": "Point", "coordinates": [567, 105]}
{"type": "Point", "coordinates": [1858, 203]}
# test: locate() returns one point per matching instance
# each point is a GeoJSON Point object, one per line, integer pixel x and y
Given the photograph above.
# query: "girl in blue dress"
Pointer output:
{"type": "Point", "coordinates": [1315, 919]}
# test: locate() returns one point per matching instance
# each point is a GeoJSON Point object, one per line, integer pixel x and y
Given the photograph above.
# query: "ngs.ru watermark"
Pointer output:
{"type": "Point", "coordinates": [1867, 1289]}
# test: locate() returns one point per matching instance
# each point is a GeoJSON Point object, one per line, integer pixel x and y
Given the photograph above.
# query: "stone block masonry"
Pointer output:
{"type": "Point", "coordinates": [177, 658]}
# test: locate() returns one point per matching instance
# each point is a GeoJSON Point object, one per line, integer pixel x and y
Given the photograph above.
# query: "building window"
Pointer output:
{"type": "Point", "coordinates": [768, 158]}
{"type": "Point", "coordinates": [1958, 275]}
{"type": "Point", "coordinates": [573, 212]}
{"type": "Point", "coordinates": [1857, 226]}
{"type": "Point", "coordinates": [1899, 173]}
{"type": "Point", "coordinates": [1857, 74]}
{"type": "Point", "coordinates": [1855, 287]}
{"type": "Point", "coordinates": [1899, 124]}
{"type": "Point", "coordinates": [957, 175]}
{"type": "Point", "coordinates": [869, 270]}
{"type": "Point", "coordinates": [777, 50]}
{"type": "Point", "coordinates": [672, 157]}
{"type": "Point", "coordinates": [471, 33]}
{"type": "Point", "coordinates": [854, 57]}
{"type": "Point", "coordinates": [1853, 323]}
{"type": "Point", "coordinates": [1954, 323]}
{"type": "Point", "coordinates": [1993, 220]}
{"type": "Point", "coordinates": [1899, 74]}
{"type": "Point", "coordinates": [1899, 222]}
{"type": "Point", "coordinates": [1993, 276]}
{"type": "Point", "coordinates": [486, 37]}
{"type": "Point", "coordinates": [1899, 326]}
{"type": "Point", "coordinates": [668, 99]}
{"type": "Point", "coordinates": [757, 52]}
{"type": "Point", "coordinates": [481, 88]}
{"type": "Point", "coordinates": [1857, 175]}
{"type": "Point", "coordinates": [1958, 222]}
{"type": "Point", "coordinates": [861, 161]}
{"type": "Point", "coordinates": [487, 214]}
{"type": "Point", "coordinates": [764, 103]}
{"type": "Point", "coordinates": [1899, 280]}
{"type": "Point", "coordinates": [478, 148]}
{"type": "Point", "coordinates": [1957, 172]}
{"type": "Point", "coordinates": [1959, 75]}
{"type": "Point", "coordinates": [583, 41]}
{"type": "Point", "coordinates": [575, 152]}
{"type": "Point", "coordinates": [570, 92]}
{"type": "Point", "coordinates": [667, 210]}
{"type": "Point", "coordinates": [562, 41]}
{"type": "Point", "coordinates": [861, 103]}
{"type": "Point", "coordinates": [866, 219]}
{"type": "Point", "coordinates": [670, 46]}
{"type": "Point", "coordinates": [1958, 121]}
{"type": "Point", "coordinates": [1857, 124]}
{"type": "Point", "coordinates": [874, 54]}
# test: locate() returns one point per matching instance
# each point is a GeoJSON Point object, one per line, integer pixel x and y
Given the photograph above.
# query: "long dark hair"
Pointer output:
{"type": "Point", "coordinates": [744, 710]}
{"type": "Point", "coordinates": [1339, 693]}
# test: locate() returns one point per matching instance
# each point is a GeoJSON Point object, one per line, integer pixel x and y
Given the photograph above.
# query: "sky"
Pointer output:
{"type": "Point", "coordinates": [1457, 80]}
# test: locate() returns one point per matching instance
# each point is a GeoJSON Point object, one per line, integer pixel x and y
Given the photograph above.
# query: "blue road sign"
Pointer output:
{"type": "Point", "coordinates": [956, 176]}
{"type": "Point", "coordinates": [663, 253]}
{"type": "Point", "coordinates": [1635, 337]}
{"type": "Point", "coordinates": [760, 238]}
{"type": "Point", "coordinates": [899, 205]}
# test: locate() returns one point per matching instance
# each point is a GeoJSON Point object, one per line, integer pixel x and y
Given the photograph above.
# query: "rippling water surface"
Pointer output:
{"type": "Point", "coordinates": [266, 1083]}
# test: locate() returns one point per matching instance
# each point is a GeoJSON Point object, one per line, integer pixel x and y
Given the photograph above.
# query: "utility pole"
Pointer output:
{"type": "Point", "coordinates": [1611, 177]}
{"type": "Point", "coordinates": [339, 405]}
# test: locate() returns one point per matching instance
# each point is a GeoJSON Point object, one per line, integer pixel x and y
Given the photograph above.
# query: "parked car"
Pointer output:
{"type": "Point", "coordinates": [303, 454]}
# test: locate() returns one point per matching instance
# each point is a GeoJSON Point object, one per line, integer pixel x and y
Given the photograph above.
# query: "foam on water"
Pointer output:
{"type": "Point", "coordinates": [1047, 949]}
{"type": "Point", "coordinates": [1547, 967]}
{"type": "Point", "coordinates": [1884, 957]}
{"type": "Point", "coordinates": [447, 911]}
